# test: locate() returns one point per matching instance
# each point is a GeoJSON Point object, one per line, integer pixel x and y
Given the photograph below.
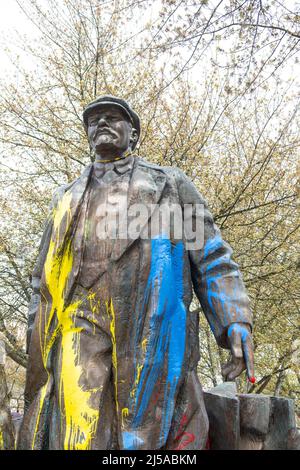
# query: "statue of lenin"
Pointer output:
{"type": "Point", "coordinates": [112, 343]}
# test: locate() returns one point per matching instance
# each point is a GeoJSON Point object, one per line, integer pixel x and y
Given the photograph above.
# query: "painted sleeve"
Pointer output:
{"type": "Point", "coordinates": [38, 267]}
{"type": "Point", "coordinates": [216, 278]}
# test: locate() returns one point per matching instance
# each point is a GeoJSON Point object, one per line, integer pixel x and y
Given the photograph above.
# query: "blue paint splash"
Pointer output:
{"type": "Point", "coordinates": [235, 328]}
{"type": "Point", "coordinates": [244, 332]}
{"type": "Point", "coordinates": [223, 297]}
{"type": "Point", "coordinates": [131, 441]}
{"type": "Point", "coordinates": [166, 343]}
{"type": "Point", "coordinates": [212, 245]}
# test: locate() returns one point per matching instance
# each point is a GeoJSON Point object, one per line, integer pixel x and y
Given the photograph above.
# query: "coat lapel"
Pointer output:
{"type": "Point", "coordinates": [66, 218]}
{"type": "Point", "coordinates": [146, 187]}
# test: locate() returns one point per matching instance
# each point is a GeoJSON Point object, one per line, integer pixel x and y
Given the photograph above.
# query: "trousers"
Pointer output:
{"type": "Point", "coordinates": [84, 411]}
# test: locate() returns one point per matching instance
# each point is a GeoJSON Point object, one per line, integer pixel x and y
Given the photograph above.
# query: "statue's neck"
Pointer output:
{"type": "Point", "coordinates": [110, 156]}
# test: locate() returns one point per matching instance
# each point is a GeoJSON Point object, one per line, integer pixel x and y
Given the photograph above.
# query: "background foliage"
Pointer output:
{"type": "Point", "coordinates": [215, 83]}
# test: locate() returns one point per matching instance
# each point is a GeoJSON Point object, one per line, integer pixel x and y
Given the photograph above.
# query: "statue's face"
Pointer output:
{"type": "Point", "coordinates": [109, 129]}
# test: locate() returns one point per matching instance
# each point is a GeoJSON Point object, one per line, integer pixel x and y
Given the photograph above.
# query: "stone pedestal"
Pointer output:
{"type": "Point", "coordinates": [250, 421]}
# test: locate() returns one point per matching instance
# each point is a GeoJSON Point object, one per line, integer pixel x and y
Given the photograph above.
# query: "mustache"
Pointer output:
{"type": "Point", "coordinates": [104, 130]}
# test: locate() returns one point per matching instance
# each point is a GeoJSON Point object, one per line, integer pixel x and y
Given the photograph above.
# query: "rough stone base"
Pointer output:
{"type": "Point", "coordinates": [249, 421]}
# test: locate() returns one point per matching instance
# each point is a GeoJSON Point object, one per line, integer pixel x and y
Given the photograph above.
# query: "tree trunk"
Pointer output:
{"type": "Point", "coordinates": [7, 439]}
{"type": "Point", "coordinates": [279, 383]}
{"type": "Point", "coordinates": [211, 358]}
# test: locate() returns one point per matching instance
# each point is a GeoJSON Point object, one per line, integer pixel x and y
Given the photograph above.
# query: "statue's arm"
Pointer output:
{"type": "Point", "coordinates": [36, 277]}
{"type": "Point", "coordinates": [216, 277]}
{"type": "Point", "coordinates": [39, 265]}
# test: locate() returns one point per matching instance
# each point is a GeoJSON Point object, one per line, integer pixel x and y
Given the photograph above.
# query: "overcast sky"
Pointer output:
{"type": "Point", "coordinates": [12, 19]}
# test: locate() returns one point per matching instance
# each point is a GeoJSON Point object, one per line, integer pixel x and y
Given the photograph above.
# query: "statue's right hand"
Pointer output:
{"type": "Point", "coordinates": [242, 353]}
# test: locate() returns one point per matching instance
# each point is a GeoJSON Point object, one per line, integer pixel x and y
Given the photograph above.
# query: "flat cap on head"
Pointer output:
{"type": "Point", "coordinates": [115, 101]}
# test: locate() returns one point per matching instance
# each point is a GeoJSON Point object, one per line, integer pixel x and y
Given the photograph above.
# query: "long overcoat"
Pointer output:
{"type": "Point", "coordinates": [121, 373]}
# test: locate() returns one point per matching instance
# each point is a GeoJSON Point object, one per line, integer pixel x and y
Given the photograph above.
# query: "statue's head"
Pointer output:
{"type": "Point", "coordinates": [113, 128]}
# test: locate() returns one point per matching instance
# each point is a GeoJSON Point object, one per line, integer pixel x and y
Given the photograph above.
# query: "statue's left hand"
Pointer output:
{"type": "Point", "coordinates": [241, 345]}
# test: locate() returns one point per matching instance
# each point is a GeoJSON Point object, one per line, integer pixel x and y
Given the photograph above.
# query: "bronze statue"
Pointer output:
{"type": "Point", "coordinates": [113, 347]}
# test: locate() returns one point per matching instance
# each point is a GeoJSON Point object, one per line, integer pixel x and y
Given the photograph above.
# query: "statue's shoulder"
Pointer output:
{"type": "Point", "coordinates": [58, 194]}
{"type": "Point", "coordinates": [170, 171]}
{"type": "Point", "coordinates": [186, 188]}
{"type": "Point", "coordinates": [144, 163]}
{"type": "Point", "coordinates": [61, 190]}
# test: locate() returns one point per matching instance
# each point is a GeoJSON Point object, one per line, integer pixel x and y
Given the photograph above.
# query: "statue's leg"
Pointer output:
{"type": "Point", "coordinates": [83, 409]}
{"type": "Point", "coordinates": [189, 429]}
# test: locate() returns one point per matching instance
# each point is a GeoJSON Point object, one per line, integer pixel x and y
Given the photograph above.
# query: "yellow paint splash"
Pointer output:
{"type": "Point", "coordinates": [80, 418]}
{"type": "Point", "coordinates": [95, 307]}
{"type": "Point", "coordinates": [62, 210]}
{"type": "Point", "coordinates": [144, 344]}
{"type": "Point", "coordinates": [138, 376]}
{"type": "Point", "coordinates": [139, 369]}
{"type": "Point", "coordinates": [1, 441]}
{"type": "Point", "coordinates": [125, 413]}
{"type": "Point", "coordinates": [111, 313]}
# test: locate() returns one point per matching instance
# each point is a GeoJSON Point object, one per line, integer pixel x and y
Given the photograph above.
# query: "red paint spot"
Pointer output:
{"type": "Point", "coordinates": [180, 432]}
{"type": "Point", "coordinates": [252, 380]}
{"type": "Point", "coordinates": [185, 437]}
